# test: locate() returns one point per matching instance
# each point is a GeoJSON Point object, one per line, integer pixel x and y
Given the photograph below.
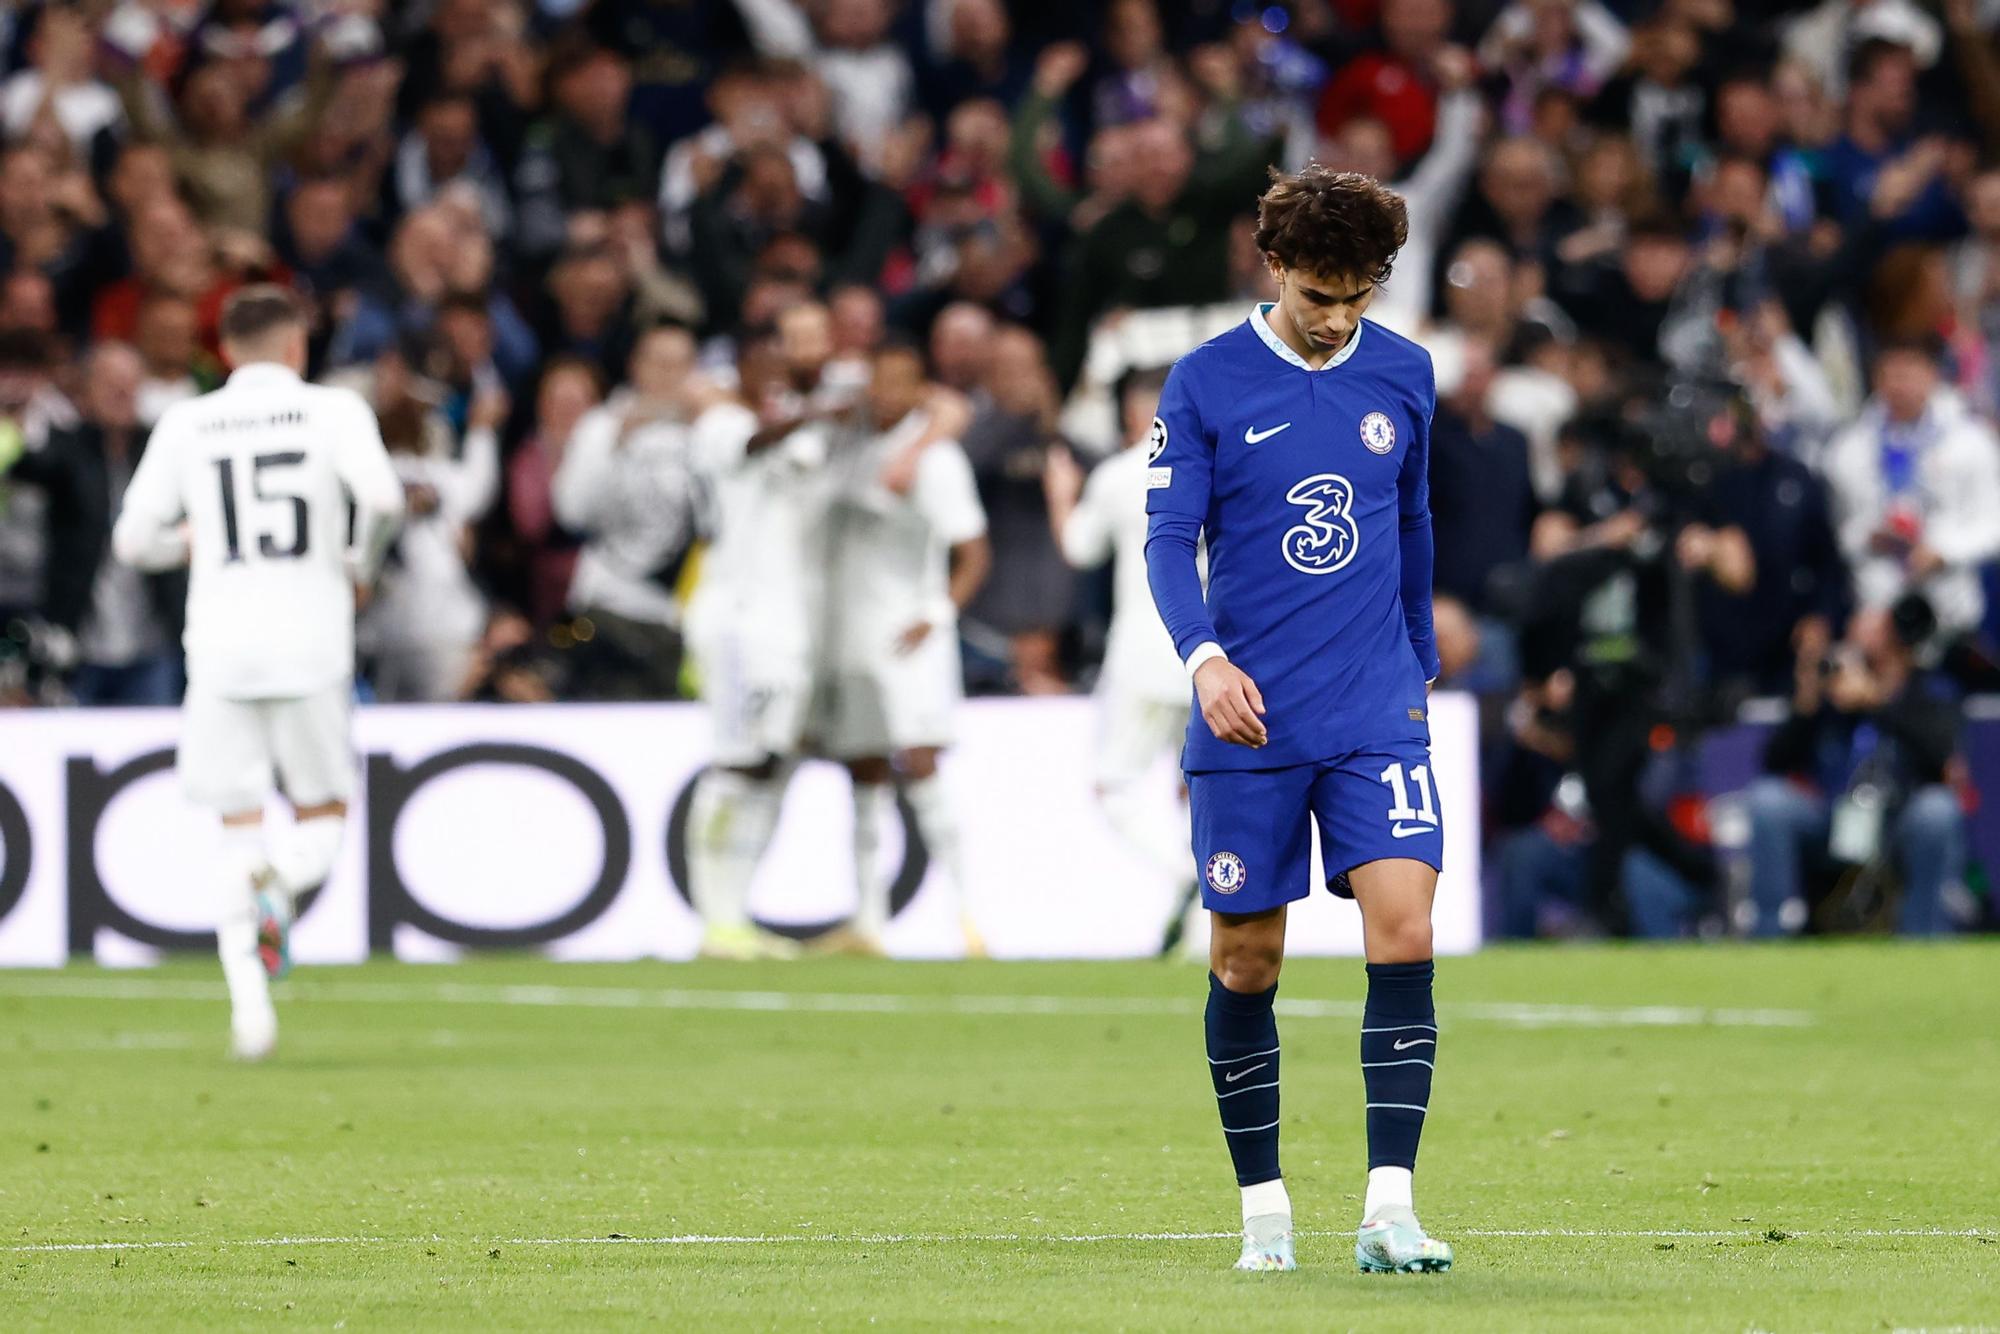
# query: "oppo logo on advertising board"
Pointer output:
{"type": "Point", "coordinates": [394, 815]}
{"type": "Point", "coordinates": [564, 830]}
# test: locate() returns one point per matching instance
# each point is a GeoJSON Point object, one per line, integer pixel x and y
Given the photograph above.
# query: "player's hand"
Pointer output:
{"type": "Point", "coordinates": [908, 642]}
{"type": "Point", "coordinates": [950, 414]}
{"type": "Point", "coordinates": [900, 473]}
{"type": "Point", "coordinates": [1231, 704]}
{"type": "Point", "coordinates": [363, 595]}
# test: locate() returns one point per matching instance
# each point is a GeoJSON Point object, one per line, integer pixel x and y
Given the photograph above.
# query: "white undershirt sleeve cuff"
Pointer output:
{"type": "Point", "coordinates": [1203, 651]}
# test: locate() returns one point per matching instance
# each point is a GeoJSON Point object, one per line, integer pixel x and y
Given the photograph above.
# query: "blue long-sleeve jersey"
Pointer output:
{"type": "Point", "coordinates": [1311, 488]}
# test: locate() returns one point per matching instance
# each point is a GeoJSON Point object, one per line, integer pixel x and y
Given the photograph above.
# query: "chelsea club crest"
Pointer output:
{"type": "Point", "coordinates": [1226, 873]}
{"type": "Point", "coordinates": [1378, 432]}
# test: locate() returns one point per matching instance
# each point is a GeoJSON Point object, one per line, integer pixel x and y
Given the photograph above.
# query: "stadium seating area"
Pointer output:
{"type": "Point", "coordinates": [1712, 289]}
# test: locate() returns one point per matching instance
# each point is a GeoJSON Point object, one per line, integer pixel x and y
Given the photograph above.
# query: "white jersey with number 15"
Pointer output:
{"type": "Point", "coordinates": [263, 471]}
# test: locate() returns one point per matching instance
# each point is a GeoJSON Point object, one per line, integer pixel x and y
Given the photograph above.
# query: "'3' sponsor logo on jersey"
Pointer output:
{"type": "Point", "coordinates": [1326, 538]}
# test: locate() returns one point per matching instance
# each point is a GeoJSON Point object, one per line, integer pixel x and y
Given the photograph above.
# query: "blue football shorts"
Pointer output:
{"type": "Point", "coordinates": [1253, 831]}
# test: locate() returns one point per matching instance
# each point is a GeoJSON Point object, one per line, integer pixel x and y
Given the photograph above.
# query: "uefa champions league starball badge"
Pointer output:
{"type": "Point", "coordinates": [1225, 873]}
{"type": "Point", "coordinates": [1156, 441]}
{"type": "Point", "coordinates": [1378, 432]}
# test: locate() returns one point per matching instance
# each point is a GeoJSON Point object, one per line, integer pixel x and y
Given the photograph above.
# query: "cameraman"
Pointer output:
{"type": "Point", "coordinates": [1614, 609]}
{"type": "Point", "coordinates": [1757, 638]}
{"type": "Point", "coordinates": [1861, 771]}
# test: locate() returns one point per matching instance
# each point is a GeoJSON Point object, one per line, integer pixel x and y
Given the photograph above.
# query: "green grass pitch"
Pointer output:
{"type": "Point", "coordinates": [1718, 1138]}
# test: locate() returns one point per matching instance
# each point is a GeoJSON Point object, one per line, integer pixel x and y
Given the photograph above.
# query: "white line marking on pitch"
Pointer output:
{"type": "Point", "coordinates": [36, 1044]}
{"type": "Point", "coordinates": [841, 1002]}
{"type": "Point", "coordinates": [941, 1238]}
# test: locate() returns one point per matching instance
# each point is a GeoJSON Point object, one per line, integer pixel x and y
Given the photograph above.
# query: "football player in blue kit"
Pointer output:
{"type": "Point", "coordinates": [1297, 444]}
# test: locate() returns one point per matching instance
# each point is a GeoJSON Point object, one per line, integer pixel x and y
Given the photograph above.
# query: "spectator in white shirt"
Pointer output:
{"type": "Point", "coordinates": [59, 82]}
{"type": "Point", "coordinates": [868, 75]}
{"type": "Point", "coordinates": [1916, 491]}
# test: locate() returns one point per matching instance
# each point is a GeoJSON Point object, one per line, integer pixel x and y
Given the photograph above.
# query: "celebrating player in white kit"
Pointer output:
{"type": "Point", "coordinates": [902, 566]}
{"type": "Point", "coordinates": [1142, 692]}
{"type": "Point", "coordinates": [251, 486]}
{"type": "Point", "coordinates": [750, 631]}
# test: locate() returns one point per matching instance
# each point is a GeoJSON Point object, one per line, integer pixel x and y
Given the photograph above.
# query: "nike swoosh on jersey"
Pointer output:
{"type": "Point", "coordinates": [1251, 437]}
{"type": "Point", "coordinates": [1405, 1043]}
{"type": "Point", "coordinates": [1231, 1079]}
{"type": "Point", "coordinates": [1410, 830]}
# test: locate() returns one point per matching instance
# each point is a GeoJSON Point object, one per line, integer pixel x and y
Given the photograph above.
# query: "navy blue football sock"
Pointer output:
{"type": "Point", "coordinates": [1243, 1062]}
{"type": "Point", "coordinates": [1398, 1053]}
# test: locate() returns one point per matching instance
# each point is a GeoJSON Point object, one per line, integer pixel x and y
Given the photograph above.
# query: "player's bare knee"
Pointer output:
{"type": "Point", "coordinates": [918, 764]}
{"type": "Point", "coordinates": [1401, 938]}
{"type": "Point", "coordinates": [1247, 969]}
{"type": "Point", "coordinates": [1246, 953]}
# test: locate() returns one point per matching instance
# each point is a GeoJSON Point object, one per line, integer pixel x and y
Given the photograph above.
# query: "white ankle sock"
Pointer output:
{"type": "Point", "coordinates": [729, 827]}
{"type": "Point", "coordinates": [1387, 1186]}
{"type": "Point", "coordinates": [242, 970]}
{"type": "Point", "coordinates": [939, 826]}
{"type": "Point", "coordinates": [872, 804]}
{"type": "Point", "coordinates": [239, 865]}
{"type": "Point", "coordinates": [1266, 1197]}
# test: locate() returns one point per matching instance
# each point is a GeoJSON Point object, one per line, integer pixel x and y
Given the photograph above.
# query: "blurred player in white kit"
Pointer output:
{"type": "Point", "coordinates": [763, 621]}
{"type": "Point", "coordinates": [1143, 692]}
{"type": "Point", "coordinates": [750, 629]}
{"type": "Point", "coordinates": [903, 563]}
{"type": "Point", "coordinates": [251, 486]}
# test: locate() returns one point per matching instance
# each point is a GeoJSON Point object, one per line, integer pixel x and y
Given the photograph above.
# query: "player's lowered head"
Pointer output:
{"type": "Point", "coordinates": [1330, 238]}
{"type": "Point", "coordinates": [265, 323]}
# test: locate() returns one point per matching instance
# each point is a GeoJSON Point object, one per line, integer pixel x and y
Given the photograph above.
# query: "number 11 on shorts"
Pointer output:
{"type": "Point", "coordinates": [1406, 820]}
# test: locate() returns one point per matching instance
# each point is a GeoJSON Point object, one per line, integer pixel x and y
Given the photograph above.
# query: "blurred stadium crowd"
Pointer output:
{"type": "Point", "coordinates": [1712, 288]}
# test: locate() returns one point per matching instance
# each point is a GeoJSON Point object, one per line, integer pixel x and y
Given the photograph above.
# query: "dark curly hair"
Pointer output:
{"type": "Point", "coordinates": [1332, 223]}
